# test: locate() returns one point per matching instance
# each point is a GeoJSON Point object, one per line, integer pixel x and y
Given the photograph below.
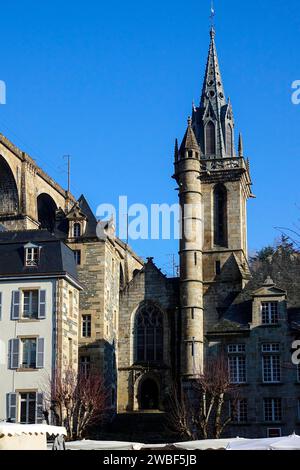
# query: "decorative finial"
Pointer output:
{"type": "Point", "coordinates": [241, 146]}
{"type": "Point", "coordinates": [269, 281]}
{"type": "Point", "coordinates": [189, 121]}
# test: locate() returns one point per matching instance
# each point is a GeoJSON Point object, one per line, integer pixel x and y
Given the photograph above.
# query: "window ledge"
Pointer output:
{"type": "Point", "coordinates": [28, 320]}
{"type": "Point", "coordinates": [246, 423]}
{"type": "Point", "coordinates": [240, 384]}
{"type": "Point", "coordinates": [25, 369]}
{"type": "Point", "coordinates": [270, 384]}
{"type": "Point", "coordinates": [277, 325]}
{"type": "Point", "coordinates": [271, 424]}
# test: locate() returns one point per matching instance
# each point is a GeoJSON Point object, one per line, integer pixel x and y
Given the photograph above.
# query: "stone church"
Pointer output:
{"type": "Point", "coordinates": [145, 331]}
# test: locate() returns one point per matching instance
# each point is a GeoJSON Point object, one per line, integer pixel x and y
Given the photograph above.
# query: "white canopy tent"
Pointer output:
{"type": "Point", "coordinates": [209, 444]}
{"type": "Point", "coordinates": [27, 436]}
{"type": "Point", "coordinates": [102, 445]}
{"type": "Point", "coordinates": [275, 443]}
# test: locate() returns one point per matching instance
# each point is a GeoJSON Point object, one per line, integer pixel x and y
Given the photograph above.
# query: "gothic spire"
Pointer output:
{"type": "Point", "coordinates": [213, 90]}
{"type": "Point", "coordinates": [213, 119]}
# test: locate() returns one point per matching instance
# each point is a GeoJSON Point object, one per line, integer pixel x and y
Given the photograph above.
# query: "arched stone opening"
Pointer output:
{"type": "Point", "coordinates": [9, 198]}
{"type": "Point", "coordinates": [148, 394]}
{"type": "Point", "coordinates": [46, 208]}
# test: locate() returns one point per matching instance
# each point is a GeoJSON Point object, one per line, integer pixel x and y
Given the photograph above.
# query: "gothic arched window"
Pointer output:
{"type": "Point", "coordinates": [210, 138]}
{"type": "Point", "coordinates": [76, 230]}
{"type": "Point", "coordinates": [229, 140]}
{"type": "Point", "coordinates": [220, 215]}
{"type": "Point", "coordinates": [148, 334]}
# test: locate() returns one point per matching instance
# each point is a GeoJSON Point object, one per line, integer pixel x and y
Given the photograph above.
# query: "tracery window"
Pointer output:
{"type": "Point", "coordinates": [149, 334]}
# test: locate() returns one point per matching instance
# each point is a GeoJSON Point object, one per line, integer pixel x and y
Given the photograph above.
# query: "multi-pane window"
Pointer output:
{"type": "Point", "coordinates": [77, 256]}
{"type": "Point", "coordinates": [272, 410]}
{"type": "Point", "coordinates": [85, 365]}
{"type": "Point", "coordinates": [271, 368]}
{"type": "Point", "coordinates": [27, 408]}
{"type": "Point", "coordinates": [32, 256]}
{"type": "Point", "coordinates": [31, 304]}
{"type": "Point", "coordinates": [76, 230]}
{"type": "Point", "coordinates": [239, 411]}
{"type": "Point", "coordinates": [269, 313]}
{"type": "Point", "coordinates": [237, 363]}
{"type": "Point", "coordinates": [86, 326]}
{"type": "Point", "coordinates": [28, 353]}
{"type": "Point", "coordinates": [149, 334]}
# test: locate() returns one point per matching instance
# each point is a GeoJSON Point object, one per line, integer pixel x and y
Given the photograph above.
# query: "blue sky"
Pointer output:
{"type": "Point", "coordinates": [112, 83]}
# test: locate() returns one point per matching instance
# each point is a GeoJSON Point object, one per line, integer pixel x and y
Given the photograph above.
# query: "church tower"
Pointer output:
{"type": "Point", "coordinates": [214, 185]}
{"type": "Point", "coordinates": [226, 187]}
{"type": "Point", "coordinates": [225, 176]}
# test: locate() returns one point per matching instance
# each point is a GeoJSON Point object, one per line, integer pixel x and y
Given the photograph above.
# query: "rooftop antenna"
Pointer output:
{"type": "Point", "coordinates": [68, 157]}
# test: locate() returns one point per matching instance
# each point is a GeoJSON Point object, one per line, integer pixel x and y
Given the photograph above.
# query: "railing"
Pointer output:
{"type": "Point", "coordinates": [223, 164]}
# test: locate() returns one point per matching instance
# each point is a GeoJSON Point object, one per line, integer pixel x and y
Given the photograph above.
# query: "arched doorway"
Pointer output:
{"type": "Point", "coordinates": [46, 211]}
{"type": "Point", "coordinates": [9, 199]}
{"type": "Point", "coordinates": [149, 395]}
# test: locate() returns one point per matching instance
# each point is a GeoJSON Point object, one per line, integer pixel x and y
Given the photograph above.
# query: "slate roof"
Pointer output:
{"type": "Point", "coordinates": [189, 141]}
{"type": "Point", "coordinates": [285, 273]}
{"type": "Point", "coordinates": [55, 257]}
{"type": "Point", "coordinates": [91, 225]}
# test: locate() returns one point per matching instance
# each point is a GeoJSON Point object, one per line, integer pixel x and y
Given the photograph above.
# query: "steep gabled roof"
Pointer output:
{"type": "Point", "coordinates": [91, 226]}
{"type": "Point", "coordinates": [189, 141]}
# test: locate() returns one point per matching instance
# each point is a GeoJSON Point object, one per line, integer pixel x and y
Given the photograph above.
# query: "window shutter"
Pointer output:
{"type": "Point", "coordinates": [14, 349]}
{"type": "Point", "coordinates": [11, 407]}
{"type": "Point", "coordinates": [15, 311]}
{"type": "Point", "coordinates": [39, 408]}
{"type": "Point", "coordinates": [42, 304]}
{"type": "Point", "coordinates": [40, 353]}
{"type": "Point", "coordinates": [0, 305]}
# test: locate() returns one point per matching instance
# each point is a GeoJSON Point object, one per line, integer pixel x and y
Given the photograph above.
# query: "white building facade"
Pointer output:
{"type": "Point", "coordinates": [38, 329]}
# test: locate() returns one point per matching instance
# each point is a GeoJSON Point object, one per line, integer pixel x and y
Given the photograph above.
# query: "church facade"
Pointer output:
{"type": "Point", "coordinates": [146, 331]}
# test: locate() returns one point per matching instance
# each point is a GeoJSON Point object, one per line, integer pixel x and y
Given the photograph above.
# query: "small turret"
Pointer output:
{"type": "Point", "coordinates": [187, 175]}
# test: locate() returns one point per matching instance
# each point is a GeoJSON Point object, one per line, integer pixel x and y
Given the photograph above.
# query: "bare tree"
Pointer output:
{"type": "Point", "coordinates": [200, 411]}
{"type": "Point", "coordinates": [77, 401]}
{"type": "Point", "coordinates": [214, 389]}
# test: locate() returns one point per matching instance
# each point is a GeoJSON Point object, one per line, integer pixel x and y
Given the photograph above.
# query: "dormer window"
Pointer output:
{"type": "Point", "coordinates": [269, 313]}
{"type": "Point", "coordinates": [32, 255]}
{"type": "Point", "coordinates": [76, 230]}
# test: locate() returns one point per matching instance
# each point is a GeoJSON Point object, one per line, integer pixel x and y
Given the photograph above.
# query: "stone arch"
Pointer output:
{"type": "Point", "coordinates": [9, 198]}
{"type": "Point", "coordinates": [141, 386]}
{"type": "Point", "coordinates": [46, 209]}
{"type": "Point", "coordinates": [149, 394]}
